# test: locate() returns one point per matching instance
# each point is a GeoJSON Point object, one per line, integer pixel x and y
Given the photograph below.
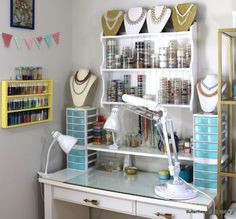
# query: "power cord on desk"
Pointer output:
{"type": "Point", "coordinates": [212, 216]}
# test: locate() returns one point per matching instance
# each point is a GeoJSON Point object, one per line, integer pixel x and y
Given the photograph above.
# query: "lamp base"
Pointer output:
{"type": "Point", "coordinates": [175, 190]}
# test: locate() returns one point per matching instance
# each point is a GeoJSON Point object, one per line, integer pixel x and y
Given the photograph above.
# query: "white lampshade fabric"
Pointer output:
{"type": "Point", "coordinates": [112, 123]}
{"type": "Point", "coordinates": [66, 142]}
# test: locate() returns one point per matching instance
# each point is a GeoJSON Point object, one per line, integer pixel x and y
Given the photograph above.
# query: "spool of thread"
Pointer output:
{"type": "Point", "coordinates": [164, 174]}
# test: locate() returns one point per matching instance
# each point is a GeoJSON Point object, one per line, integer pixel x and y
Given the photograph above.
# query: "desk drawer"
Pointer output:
{"type": "Point", "coordinates": [150, 210]}
{"type": "Point", "coordinates": [103, 202]}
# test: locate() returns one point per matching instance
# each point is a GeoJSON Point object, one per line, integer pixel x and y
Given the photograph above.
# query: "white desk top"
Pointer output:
{"type": "Point", "coordinates": [137, 187]}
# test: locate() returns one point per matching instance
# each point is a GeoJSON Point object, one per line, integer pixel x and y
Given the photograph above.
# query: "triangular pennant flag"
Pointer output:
{"type": "Point", "coordinates": [7, 39]}
{"type": "Point", "coordinates": [29, 42]}
{"type": "Point", "coordinates": [56, 37]}
{"type": "Point", "coordinates": [48, 40]}
{"type": "Point", "coordinates": [38, 40]}
{"type": "Point", "coordinates": [18, 41]}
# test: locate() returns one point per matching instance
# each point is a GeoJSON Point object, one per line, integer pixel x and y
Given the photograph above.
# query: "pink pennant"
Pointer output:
{"type": "Point", "coordinates": [29, 42]}
{"type": "Point", "coordinates": [7, 39]}
{"type": "Point", "coordinates": [56, 37]}
{"type": "Point", "coordinates": [39, 39]}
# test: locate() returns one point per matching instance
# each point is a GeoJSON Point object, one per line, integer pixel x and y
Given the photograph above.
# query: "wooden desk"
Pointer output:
{"type": "Point", "coordinates": [118, 192]}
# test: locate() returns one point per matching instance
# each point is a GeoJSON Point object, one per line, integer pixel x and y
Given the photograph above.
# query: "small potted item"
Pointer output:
{"type": "Point", "coordinates": [183, 16]}
{"type": "Point", "coordinates": [131, 170]}
{"type": "Point", "coordinates": [164, 174]}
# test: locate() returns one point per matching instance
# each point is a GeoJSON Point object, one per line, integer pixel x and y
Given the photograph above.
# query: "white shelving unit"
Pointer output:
{"type": "Point", "coordinates": [152, 75]}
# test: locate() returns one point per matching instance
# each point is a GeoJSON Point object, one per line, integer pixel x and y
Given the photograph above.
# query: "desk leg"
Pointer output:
{"type": "Point", "coordinates": [48, 202]}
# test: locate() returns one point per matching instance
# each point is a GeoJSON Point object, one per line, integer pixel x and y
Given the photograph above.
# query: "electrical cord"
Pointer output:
{"type": "Point", "coordinates": [203, 193]}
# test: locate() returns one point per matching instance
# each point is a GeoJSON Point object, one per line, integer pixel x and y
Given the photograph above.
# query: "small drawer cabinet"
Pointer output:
{"type": "Point", "coordinates": [79, 124]}
{"type": "Point", "coordinates": [205, 145]}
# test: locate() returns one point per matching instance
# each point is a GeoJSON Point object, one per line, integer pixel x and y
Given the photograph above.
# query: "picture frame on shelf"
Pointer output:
{"type": "Point", "coordinates": [22, 14]}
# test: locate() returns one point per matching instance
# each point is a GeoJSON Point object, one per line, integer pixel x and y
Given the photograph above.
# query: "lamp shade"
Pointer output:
{"type": "Point", "coordinates": [112, 123]}
{"type": "Point", "coordinates": [66, 142]}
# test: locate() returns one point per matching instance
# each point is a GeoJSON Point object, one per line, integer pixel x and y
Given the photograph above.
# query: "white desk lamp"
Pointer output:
{"type": "Point", "coordinates": [112, 124]}
{"type": "Point", "coordinates": [176, 188]}
{"type": "Point", "coordinates": [66, 143]}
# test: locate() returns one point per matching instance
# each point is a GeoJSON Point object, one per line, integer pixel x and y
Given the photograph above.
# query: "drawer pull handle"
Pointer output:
{"type": "Point", "coordinates": [93, 202]}
{"type": "Point", "coordinates": [166, 215]}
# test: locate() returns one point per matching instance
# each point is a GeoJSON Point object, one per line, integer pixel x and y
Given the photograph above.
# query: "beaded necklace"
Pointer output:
{"type": "Point", "coordinates": [135, 22]}
{"type": "Point", "coordinates": [80, 82]}
{"type": "Point", "coordinates": [199, 85]}
{"type": "Point", "coordinates": [157, 20]}
{"type": "Point", "coordinates": [112, 20]}
{"type": "Point", "coordinates": [184, 16]}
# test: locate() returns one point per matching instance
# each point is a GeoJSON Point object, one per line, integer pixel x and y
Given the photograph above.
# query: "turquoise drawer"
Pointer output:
{"type": "Point", "coordinates": [75, 134]}
{"type": "Point", "coordinates": [205, 184]}
{"type": "Point", "coordinates": [205, 146]}
{"type": "Point", "coordinates": [77, 152]}
{"type": "Point", "coordinates": [75, 113]}
{"type": "Point", "coordinates": [75, 120]}
{"type": "Point", "coordinates": [205, 175]}
{"type": "Point", "coordinates": [204, 137]}
{"type": "Point", "coordinates": [209, 129]}
{"type": "Point", "coordinates": [76, 126]}
{"type": "Point", "coordinates": [206, 154]}
{"type": "Point", "coordinates": [91, 112]}
{"type": "Point", "coordinates": [92, 119]}
{"type": "Point", "coordinates": [205, 167]}
{"type": "Point", "coordinates": [76, 159]}
{"type": "Point", "coordinates": [205, 120]}
{"type": "Point", "coordinates": [76, 166]}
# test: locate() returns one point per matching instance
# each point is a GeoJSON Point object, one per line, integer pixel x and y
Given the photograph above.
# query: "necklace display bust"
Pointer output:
{"type": "Point", "coordinates": [157, 18]}
{"type": "Point", "coordinates": [134, 20]}
{"type": "Point", "coordinates": [111, 22]}
{"type": "Point", "coordinates": [80, 85]}
{"type": "Point", "coordinates": [207, 90]}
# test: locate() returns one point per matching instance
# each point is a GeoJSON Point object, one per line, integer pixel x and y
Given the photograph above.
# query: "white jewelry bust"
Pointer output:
{"type": "Point", "coordinates": [207, 90]}
{"type": "Point", "coordinates": [79, 91]}
{"type": "Point", "coordinates": [157, 18]}
{"type": "Point", "coordinates": [134, 20]}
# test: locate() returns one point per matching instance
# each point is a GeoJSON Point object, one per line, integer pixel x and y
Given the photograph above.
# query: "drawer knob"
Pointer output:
{"type": "Point", "coordinates": [166, 215]}
{"type": "Point", "coordinates": [93, 202]}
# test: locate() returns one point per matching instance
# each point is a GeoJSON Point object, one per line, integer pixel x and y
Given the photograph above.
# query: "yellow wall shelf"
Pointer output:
{"type": "Point", "coordinates": [26, 102]}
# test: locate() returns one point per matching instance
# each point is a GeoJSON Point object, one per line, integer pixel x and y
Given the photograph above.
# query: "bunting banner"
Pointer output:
{"type": "Point", "coordinates": [56, 37]}
{"type": "Point", "coordinates": [38, 41]}
{"type": "Point", "coordinates": [7, 39]}
{"type": "Point", "coordinates": [18, 41]}
{"type": "Point", "coordinates": [30, 40]}
{"type": "Point", "coordinates": [48, 40]}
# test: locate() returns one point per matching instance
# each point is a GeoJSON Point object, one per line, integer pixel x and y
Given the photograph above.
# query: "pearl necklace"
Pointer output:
{"type": "Point", "coordinates": [184, 16]}
{"type": "Point", "coordinates": [157, 20]}
{"type": "Point", "coordinates": [114, 20]}
{"type": "Point", "coordinates": [135, 22]}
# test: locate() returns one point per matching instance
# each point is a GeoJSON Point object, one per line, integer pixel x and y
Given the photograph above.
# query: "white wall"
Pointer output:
{"type": "Point", "coordinates": [23, 149]}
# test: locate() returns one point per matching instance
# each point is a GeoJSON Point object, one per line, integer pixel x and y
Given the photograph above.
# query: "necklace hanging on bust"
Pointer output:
{"type": "Point", "coordinates": [138, 20]}
{"type": "Point", "coordinates": [154, 18]}
{"type": "Point", "coordinates": [182, 18]}
{"type": "Point", "coordinates": [76, 81]}
{"type": "Point", "coordinates": [208, 88]}
{"type": "Point", "coordinates": [199, 85]}
{"type": "Point", "coordinates": [110, 20]}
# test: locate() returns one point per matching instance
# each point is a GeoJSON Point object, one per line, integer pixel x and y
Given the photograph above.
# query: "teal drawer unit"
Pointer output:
{"type": "Point", "coordinates": [79, 124]}
{"type": "Point", "coordinates": [205, 149]}
{"type": "Point", "coordinates": [81, 159]}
